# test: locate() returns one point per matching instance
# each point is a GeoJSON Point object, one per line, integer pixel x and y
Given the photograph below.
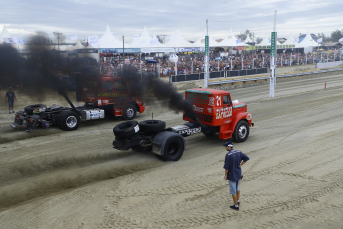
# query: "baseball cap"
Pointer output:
{"type": "Point", "coordinates": [228, 144]}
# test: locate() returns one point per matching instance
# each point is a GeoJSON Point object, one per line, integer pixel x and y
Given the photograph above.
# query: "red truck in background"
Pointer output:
{"type": "Point", "coordinates": [101, 94]}
{"type": "Point", "coordinates": [111, 94]}
{"type": "Point", "coordinates": [214, 112]}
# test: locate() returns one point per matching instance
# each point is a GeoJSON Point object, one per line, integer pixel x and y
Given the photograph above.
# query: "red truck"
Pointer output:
{"type": "Point", "coordinates": [214, 112]}
{"type": "Point", "coordinates": [101, 94]}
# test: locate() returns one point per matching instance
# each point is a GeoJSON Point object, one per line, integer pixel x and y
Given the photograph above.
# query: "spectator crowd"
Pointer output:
{"type": "Point", "coordinates": [194, 63]}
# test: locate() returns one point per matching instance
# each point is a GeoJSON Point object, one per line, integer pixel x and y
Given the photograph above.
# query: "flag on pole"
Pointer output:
{"type": "Point", "coordinates": [340, 40]}
{"type": "Point", "coordinates": [73, 37]}
{"type": "Point", "coordinates": [320, 40]}
{"type": "Point", "coordinates": [11, 40]}
{"type": "Point", "coordinates": [238, 40]}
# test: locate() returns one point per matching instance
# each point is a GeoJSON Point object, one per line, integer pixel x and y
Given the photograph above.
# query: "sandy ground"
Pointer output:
{"type": "Point", "coordinates": [294, 179]}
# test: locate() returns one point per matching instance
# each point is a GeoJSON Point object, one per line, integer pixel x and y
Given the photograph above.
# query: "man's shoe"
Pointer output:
{"type": "Point", "coordinates": [234, 207]}
{"type": "Point", "coordinates": [9, 112]}
{"type": "Point", "coordinates": [12, 111]}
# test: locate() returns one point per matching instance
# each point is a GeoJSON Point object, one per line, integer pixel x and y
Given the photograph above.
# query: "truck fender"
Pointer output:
{"type": "Point", "coordinates": [160, 139]}
{"type": "Point", "coordinates": [240, 116]}
{"type": "Point", "coordinates": [131, 102]}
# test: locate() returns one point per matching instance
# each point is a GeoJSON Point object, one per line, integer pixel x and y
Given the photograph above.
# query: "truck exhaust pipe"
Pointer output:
{"type": "Point", "coordinates": [68, 100]}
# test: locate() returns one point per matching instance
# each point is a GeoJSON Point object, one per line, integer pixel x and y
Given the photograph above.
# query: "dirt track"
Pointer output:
{"type": "Point", "coordinates": [57, 179]}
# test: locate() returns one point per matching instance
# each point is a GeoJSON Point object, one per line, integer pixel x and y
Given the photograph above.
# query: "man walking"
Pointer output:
{"type": "Point", "coordinates": [10, 96]}
{"type": "Point", "coordinates": [234, 159]}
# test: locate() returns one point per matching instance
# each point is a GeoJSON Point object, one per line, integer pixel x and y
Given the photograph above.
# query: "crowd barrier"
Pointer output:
{"type": "Point", "coordinates": [220, 74]}
{"type": "Point", "coordinates": [329, 64]}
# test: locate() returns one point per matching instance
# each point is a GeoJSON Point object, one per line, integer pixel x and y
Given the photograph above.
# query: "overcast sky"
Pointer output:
{"type": "Point", "coordinates": [128, 17]}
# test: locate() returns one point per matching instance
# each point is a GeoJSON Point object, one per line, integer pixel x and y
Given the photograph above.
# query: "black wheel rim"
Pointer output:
{"type": "Point", "coordinates": [172, 148]}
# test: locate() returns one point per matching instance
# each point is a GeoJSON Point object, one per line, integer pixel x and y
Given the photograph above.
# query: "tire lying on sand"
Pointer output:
{"type": "Point", "coordinates": [69, 120]}
{"type": "Point", "coordinates": [152, 125]}
{"type": "Point", "coordinates": [29, 109]}
{"type": "Point", "coordinates": [126, 129]}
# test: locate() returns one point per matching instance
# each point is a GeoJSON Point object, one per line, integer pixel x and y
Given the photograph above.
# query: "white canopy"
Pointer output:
{"type": "Point", "coordinates": [290, 41]}
{"type": "Point", "coordinates": [177, 41]}
{"type": "Point", "coordinates": [4, 34]}
{"type": "Point", "coordinates": [78, 45]}
{"type": "Point", "coordinates": [146, 41]}
{"type": "Point", "coordinates": [109, 41]}
{"type": "Point", "coordinates": [267, 40]}
{"type": "Point", "coordinates": [200, 42]}
{"type": "Point", "coordinates": [247, 40]}
{"type": "Point", "coordinates": [308, 41]}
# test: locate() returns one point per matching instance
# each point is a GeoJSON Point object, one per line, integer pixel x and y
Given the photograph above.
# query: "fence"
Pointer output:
{"type": "Point", "coordinates": [329, 64]}
{"type": "Point", "coordinates": [220, 74]}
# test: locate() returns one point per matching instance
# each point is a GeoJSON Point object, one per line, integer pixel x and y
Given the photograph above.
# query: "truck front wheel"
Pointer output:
{"type": "Point", "coordinates": [129, 112]}
{"type": "Point", "coordinates": [69, 120]}
{"type": "Point", "coordinates": [241, 131]}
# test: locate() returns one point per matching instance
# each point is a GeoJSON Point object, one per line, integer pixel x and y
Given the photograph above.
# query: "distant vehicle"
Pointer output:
{"type": "Point", "coordinates": [214, 112]}
{"type": "Point", "coordinates": [101, 94]}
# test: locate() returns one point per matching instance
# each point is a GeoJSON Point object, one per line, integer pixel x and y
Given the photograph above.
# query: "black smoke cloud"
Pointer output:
{"type": "Point", "coordinates": [39, 73]}
{"type": "Point", "coordinates": [141, 85]}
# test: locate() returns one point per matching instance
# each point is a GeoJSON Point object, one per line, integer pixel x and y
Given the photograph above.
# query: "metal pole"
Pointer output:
{"type": "Point", "coordinates": [123, 50]}
{"type": "Point", "coordinates": [242, 63]}
{"type": "Point", "coordinates": [206, 76]}
{"type": "Point", "coordinates": [281, 60]}
{"type": "Point", "coordinates": [231, 64]}
{"type": "Point", "coordinates": [290, 60]}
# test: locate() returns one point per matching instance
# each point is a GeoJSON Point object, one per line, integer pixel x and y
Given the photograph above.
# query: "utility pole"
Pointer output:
{"type": "Point", "coordinates": [206, 75]}
{"type": "Point", "coordinates": [123, 50]}
{"type": "Point", "coordinates": [273, 56]}
{"type": "Point", "coordinates": [58, 39]}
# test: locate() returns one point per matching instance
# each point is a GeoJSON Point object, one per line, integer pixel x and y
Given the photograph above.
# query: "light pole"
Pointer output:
{"type": "Point", "coordinates": [58, 39]}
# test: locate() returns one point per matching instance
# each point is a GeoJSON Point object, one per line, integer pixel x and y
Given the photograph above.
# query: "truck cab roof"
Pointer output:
{"type": "Point", "coordinates": [208, 91]}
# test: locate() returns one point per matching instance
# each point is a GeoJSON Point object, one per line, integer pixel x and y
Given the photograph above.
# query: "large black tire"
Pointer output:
{"type": "Point", "coordinates": [126, 129]}
{"type": "Point", "coordinates": [152, 125]}
{"type": "Point", "coordinates": [69, 120]}
{"type": "Point", "coordinates": [129, 112]}
{"type": "Point", "coordinates": [173, 149]}
{"type": "Point", "coordinates": [29, 109]}
{"type": "Point", "coordinates": [241, 131]}
{"type": "Point", "coordinates": [142, 149]}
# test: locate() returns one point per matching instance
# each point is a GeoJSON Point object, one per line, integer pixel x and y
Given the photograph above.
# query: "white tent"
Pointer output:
{"type": "Point", "coordinates": [146, 41]}
{"type": "Point", "coordinates": [109, 41]}
{"type": "Point", "coordinates": [247, 40]}
{"type": "Point", "coordinates": [290, 41]}
{"type": "Point", "coordinates": [78, 45]}
{"type": "Point", "coordinates": [229, 41]}
{"type": "Point", "coordinates": [267, 40]}
{"type": "Point", "coordinates": [177, 41]}
{"type": "Point", "coordinates": [308, 41]}
{"type": "Point", "coordinates": [4, 34]}
{"type": "Point", "coordinates": [200, 42]}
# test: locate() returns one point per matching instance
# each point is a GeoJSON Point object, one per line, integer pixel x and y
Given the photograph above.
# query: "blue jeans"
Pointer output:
{"type": "Point", "coordinates": [10, 104]}
{"type": "Point", "coordinates": [234, 186]}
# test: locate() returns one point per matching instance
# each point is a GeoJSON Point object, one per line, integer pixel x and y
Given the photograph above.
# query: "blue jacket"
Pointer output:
{"type": "Point", "coordinates": [232, 161]}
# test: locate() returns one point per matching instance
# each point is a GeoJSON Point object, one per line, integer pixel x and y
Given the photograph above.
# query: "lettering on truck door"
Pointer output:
{"type": "Point", "coordinates": [224, 113]}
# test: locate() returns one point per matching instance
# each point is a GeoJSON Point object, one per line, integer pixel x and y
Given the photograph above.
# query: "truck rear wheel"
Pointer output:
{"type": "Point", "coordinates": [241, 131]}
{"type": "Point", "coordinates": [152, 125]}
{"type": "Point", "coordinates": [173, 149]}
{"type": "Point", "coordinates": [126, 129]}
{"type": "Point", "coordinates": [69, 120]}
{"type": "Point", "coordinates": [129, 112]}
{"type": "Point", "coordinates": [29, 109]}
